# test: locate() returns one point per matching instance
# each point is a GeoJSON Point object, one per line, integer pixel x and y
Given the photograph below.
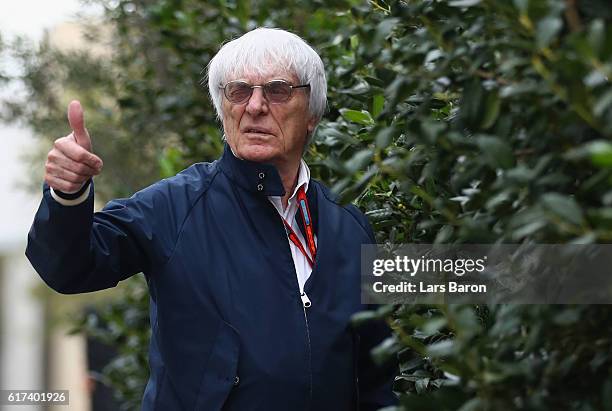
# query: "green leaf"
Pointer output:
{"type": "Point", "coordinates": [378, 102]}
{"type": "Point", "coordinates": [496, 151]}
{"type": "Point", "coordinates": [399, 90]}
{"type": "Point", "coordinates": [434, 325]}
{"type": "Point", "coordinates": [463, 3]}
{"type": "Point", "coordinates": [567, 317]}
{"type": "Point", "coordinates": [385, 136]}
{"type": "Point", "coordinates": [599, 152]}
{"type": "Point", "coordinates": [521, 5]}
{"type": "Point", "coordinates": [421, 385]}
{"type": "Point", "coordinates": [547, 29]}
{"type": "Point", "coordinates": [519, 89]}
{"type": "Point", "coordinates": [359, 161]}
{"type": "Point", "coordinates": [441, 348]}
{"type": "Point", "coordinates": [528, 229]}
{"type": "Point", "coordinates": [491, 107]}
{"type": "Point", "coordinates": [384, 351]}
{"type": "Point", "coordinates": [170, 162]}
{"type": "Point", "coordinates": [563, 206]}
{"type": "Point", "coordinates": [444, 235]}
{"type": "Point", "coordinates": [360, 117]}
{"type": "Point", "coordinates": [472, 103]}
{"type": "Point", "coordinates": [597, 36]}
{"type": "Point", "coordinates": [602, 104]}
{"type": "Point", "coordinates": [466, 323]}
{"type": "Point", "coordinates": [363, 317]}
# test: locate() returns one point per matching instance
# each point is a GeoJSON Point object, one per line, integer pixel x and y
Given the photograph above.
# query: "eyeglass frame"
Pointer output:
{"type": "Point", "coordinates": [262, 87]}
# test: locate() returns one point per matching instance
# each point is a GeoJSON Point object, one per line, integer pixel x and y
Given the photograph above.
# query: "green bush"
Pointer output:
{"type": "Point", "coordinates": [463, 121]}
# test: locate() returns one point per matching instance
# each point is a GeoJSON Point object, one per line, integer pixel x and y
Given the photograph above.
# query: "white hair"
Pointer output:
{"type": "Point", "coordinates": [264, 49]}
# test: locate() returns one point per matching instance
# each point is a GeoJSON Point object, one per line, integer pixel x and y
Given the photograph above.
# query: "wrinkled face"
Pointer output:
{"type": "Point", "coordinates": [268, 133]}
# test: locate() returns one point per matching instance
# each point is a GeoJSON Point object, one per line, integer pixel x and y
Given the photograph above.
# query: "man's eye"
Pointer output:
{"type": "Point", "coordinates": [278, 89]}
{"type": "Point", "coordinates": [239, 91]}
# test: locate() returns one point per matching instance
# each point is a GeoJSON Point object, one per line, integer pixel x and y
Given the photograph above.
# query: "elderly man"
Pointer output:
{"type": "Point", "coordinates": [253, 268]}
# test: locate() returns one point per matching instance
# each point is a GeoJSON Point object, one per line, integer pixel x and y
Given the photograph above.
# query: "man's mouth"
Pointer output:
{"type": "Point", "coordinates": [256, 130]}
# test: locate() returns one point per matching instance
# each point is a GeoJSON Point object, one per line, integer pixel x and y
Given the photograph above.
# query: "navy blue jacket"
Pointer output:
{"type": "Point", "coordinates": [229, 330]}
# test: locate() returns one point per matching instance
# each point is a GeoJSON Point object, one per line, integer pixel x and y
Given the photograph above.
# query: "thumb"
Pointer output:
{"type": "Point", "coordinates": [77, 124]}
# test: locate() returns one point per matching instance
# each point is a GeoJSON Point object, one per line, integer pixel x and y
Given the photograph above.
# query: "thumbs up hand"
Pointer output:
{"type": "Point", "coordinates": [71, 161]}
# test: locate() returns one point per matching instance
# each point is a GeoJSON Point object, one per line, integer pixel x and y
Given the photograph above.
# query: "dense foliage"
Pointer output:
{"type": "Point", "coordinates": [463, 121]}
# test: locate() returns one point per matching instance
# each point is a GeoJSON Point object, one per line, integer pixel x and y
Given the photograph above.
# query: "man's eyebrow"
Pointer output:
{"type": "Point", "coordinates": [276, 77]}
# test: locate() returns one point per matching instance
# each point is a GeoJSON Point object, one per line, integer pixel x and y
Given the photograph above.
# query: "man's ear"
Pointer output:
{"type": "Point", "coordinates": [312, 124]}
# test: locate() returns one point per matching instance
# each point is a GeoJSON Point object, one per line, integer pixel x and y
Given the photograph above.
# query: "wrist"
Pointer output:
{"type": "Point", "coordinates": [72, 199]}
{"type": "Point", "coordinates": [73, 194]}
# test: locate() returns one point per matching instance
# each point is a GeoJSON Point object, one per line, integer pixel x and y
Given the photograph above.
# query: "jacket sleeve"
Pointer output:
{"type": "Point", "coordinates": [75, 250]}
{"type": "Point", "coordinates": [375, 380]}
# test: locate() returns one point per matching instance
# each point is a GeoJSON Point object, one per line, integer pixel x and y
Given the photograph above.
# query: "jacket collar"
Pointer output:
{"type": "Point", "coordinates": [255, 177]}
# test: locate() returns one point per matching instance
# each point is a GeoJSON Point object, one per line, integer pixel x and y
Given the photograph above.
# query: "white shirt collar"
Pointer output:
{"type": "Point", "coordinates": [303, 180]}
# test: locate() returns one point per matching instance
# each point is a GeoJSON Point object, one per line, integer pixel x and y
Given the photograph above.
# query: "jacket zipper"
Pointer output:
{"type": "Point", "coordinates": [306, 304]}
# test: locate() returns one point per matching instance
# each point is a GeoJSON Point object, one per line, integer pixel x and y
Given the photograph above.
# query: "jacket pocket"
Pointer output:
{"type": "Point", "coordinates": [221, 369]}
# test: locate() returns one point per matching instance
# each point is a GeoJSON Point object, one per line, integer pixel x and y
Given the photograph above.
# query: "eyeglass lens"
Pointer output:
{"type": "Point", "coordinates": [275, 91]}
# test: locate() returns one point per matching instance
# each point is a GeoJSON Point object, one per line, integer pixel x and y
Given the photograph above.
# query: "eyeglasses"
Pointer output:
{"type": "Point", "coordinates": [275, 91]}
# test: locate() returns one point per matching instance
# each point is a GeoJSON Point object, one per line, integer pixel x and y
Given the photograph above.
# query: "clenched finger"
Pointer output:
{"type": "Point", "coordinates": [55, 156]}
{"type": "Point", "coordinates": [55, 170]}
{"type": "Point", "coordinates": [58, 183]}
{"type": "Point", "coordinates": [77, 153]}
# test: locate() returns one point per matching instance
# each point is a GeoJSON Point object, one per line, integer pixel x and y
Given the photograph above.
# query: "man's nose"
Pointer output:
{"type": "Point", "coordinates": [257, 103]}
